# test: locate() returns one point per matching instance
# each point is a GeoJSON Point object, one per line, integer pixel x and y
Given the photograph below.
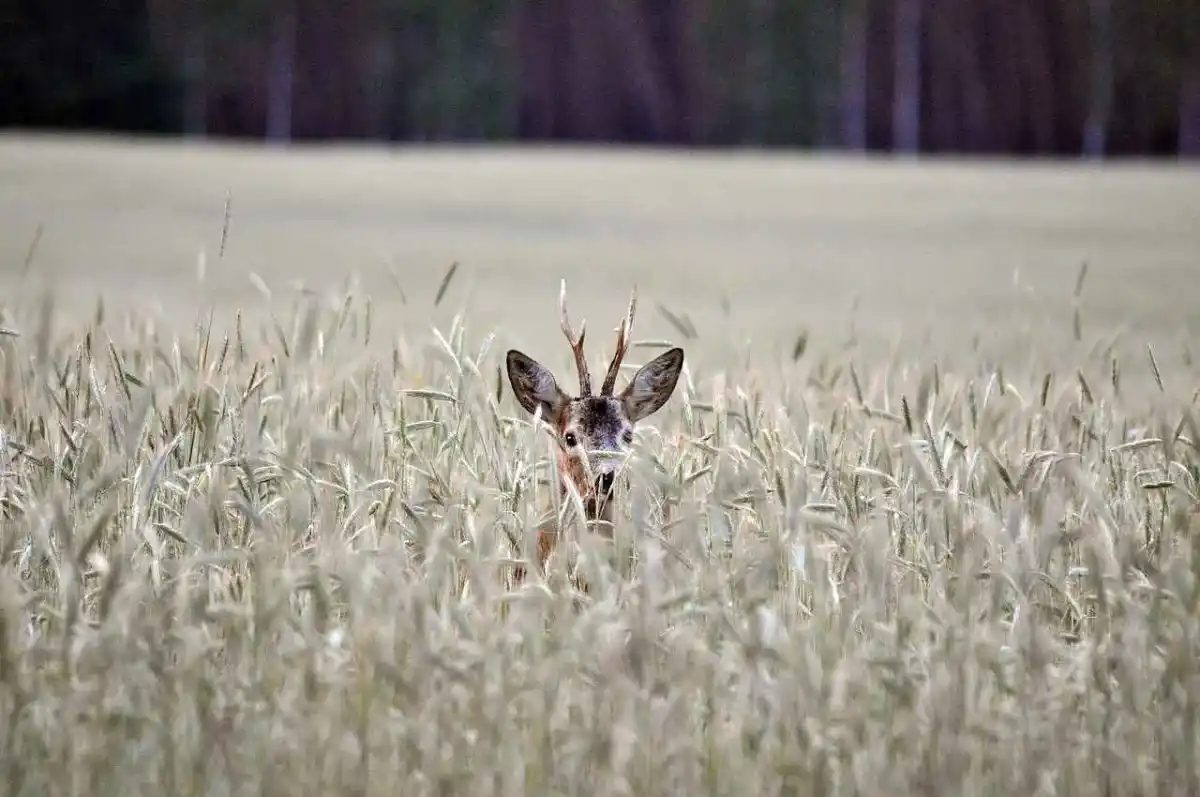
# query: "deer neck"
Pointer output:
{"type": "Point", "coordinates": [593, 509]}
{"type": "Point", "coordinates": [598, 511]}
{"type": "Point", "coordinates": [597, 514]}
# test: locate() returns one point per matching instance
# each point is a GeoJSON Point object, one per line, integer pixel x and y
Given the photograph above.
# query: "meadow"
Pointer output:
{"type": "Point", "coordinates": [920, 518]}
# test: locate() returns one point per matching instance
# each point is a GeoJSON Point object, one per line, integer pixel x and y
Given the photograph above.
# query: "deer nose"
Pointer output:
{"type": "Point", "coordinates": [604, 483]}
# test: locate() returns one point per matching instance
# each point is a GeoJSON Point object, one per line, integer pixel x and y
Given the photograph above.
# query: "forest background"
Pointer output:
{"type": "Point", "coordinates": [1020, 77]}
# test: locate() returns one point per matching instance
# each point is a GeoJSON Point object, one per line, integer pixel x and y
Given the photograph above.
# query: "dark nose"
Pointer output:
{"type": "Point", "coordinates": [604, 483]}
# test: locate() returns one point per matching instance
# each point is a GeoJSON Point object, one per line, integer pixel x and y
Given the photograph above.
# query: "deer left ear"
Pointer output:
{"type": "Point", "coordinates": [534, 385]}
{"type": "Point", "coordinates": [652, 385]}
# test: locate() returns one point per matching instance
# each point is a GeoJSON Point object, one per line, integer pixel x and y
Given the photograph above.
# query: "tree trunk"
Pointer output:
{"type": "Point", "coordinates": [1036, 68]}
{"type": "Point", "coordinates": [667, 27]}
{"type": "Point", "coordinates": [380, 69]}
{"type": "Point", "coordinates": [646, 111]}
{"type": "Point", "coordinates": [974, 90]}
{"type": "Point", "coordinates": [595, 80]}
{"type": "Point", "coordinates": [195, 85]}
{"type": "Point", "coordinates": [1008, 89]}
{"type": "Point", "coordinates": [1095, 126]}
{"type": "Point", "coordinates": [761, 59]}
{"type": "Point", "coordinates": [1189, 112]}
{"type": "Point", "coordinates": [852, 108]}
{"type": "Point", "coordinates": [947, 35]}
{"type": "Point", "coordinates": [534, 71]}
{"type": "Point", "coordinates": [281, 75]}
{"type": "Point", "coordinates": [906, 99]}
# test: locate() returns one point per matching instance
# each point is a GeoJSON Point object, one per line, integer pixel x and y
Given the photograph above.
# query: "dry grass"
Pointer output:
{"type": "Point", "coordinates": [951, 249]}
{"type": "Point", "coordinates": [270, 558]}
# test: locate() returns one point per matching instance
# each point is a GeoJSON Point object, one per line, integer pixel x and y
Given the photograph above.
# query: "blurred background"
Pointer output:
{"type": "Point", "coordinates": [1025, 77]}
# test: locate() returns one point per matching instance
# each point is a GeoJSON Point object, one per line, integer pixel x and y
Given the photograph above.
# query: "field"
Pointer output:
{"type": "Point", "coordinates": [920, 518]}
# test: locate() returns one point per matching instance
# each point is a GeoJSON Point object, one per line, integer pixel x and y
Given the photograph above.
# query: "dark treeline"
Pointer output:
{"type": "Point", "coordinates": [977, 76]}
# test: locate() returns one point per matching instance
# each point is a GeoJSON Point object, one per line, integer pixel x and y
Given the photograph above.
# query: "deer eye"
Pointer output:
{"type": "Point", "coordinates": [627, 436]}
{"type": "Point", "coordinates": [571, 439]}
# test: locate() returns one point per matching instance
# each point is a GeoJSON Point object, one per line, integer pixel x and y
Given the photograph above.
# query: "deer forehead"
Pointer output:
{"type": "Point", "coordinates": [598, 418]}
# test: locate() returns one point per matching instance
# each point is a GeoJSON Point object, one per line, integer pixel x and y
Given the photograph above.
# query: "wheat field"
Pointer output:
{"type": "Point", "coordinates": [920, 519]}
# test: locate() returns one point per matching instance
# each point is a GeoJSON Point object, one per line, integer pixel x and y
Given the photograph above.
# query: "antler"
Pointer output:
{"type": "Point", "coordinates": [610, 379]}
{"type": "Point", "coordinates": [585, 379]}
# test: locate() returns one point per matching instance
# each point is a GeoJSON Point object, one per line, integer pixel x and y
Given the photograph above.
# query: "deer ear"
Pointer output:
{"type": "Point", "coordinates": [652, 385]}
{"type": "Point", "coordinates": [534, 385]}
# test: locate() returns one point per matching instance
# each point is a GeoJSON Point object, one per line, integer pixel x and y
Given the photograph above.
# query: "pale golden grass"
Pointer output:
{"type": "Point", "coordinates": [273, 560]}
{"type": "Point", "coordinates": [952, 249]}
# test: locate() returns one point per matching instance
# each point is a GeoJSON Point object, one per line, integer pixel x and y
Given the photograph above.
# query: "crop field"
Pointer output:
{"type": "Point", "coordinates": [921, 516]}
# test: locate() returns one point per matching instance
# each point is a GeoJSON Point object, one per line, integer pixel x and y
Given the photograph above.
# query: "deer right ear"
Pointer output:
{"type": "Point", "coordinates": [652, 385]}
{"type": "Point", "coordinates": [534, 385]}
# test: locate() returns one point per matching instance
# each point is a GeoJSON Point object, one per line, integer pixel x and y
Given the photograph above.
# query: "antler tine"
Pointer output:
{"type": "Point", "coordinates": [623, 333]}
{"type": "Point", "coordinates": [585, 379]}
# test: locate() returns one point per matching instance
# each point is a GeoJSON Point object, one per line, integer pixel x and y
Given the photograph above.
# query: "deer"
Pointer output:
{"type": "Point", "coordinates": [594, 432]}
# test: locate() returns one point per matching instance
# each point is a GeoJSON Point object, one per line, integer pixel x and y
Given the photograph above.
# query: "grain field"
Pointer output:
{"type": "Point", "coordinates": [921, 517]}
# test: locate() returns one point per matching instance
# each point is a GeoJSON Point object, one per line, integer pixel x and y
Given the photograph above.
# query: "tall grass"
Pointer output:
{"type": "Point", "coordinates": [264, 562]}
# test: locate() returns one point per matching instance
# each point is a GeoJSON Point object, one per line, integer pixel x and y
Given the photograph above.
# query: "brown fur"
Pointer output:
{"type": "Point", "coordinates": [588, 426]}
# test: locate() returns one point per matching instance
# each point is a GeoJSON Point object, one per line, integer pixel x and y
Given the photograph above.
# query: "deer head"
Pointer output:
{"type": "Point", "coordinates": [594, 432]}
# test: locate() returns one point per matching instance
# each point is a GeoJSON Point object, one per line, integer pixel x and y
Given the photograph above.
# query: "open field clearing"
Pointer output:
{"type": "Point", "coordinates": [274, 556]}
{"type": "Point", "coordinates": [952, 250]}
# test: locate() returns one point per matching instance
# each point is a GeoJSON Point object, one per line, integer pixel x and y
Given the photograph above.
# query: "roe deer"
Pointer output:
{"type": "Point", "coordinates": [594, 433]}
